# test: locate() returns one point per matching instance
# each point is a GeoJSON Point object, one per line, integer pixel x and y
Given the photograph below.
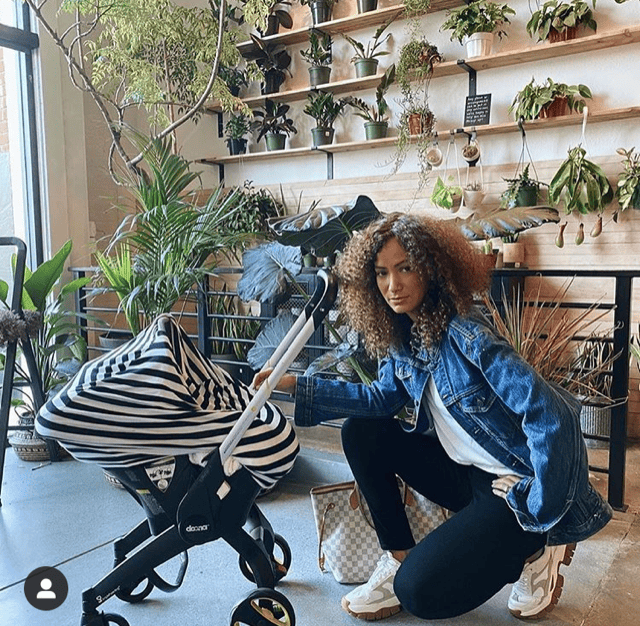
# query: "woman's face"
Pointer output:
{"type": "Point", "coordinates": [400, 285]}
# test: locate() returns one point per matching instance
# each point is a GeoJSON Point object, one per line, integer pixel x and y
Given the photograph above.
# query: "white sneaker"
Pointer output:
{"type": "Point", "coordinates": [540, 585]}
{"type": "Point", "coordinates": [375, 599]}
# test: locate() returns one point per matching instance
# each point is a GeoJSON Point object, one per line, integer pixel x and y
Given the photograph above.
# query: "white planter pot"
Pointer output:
{"type": "Point", "coordinates": [479, 44]}
{"type": "Point", "coordinates": [473, 199]}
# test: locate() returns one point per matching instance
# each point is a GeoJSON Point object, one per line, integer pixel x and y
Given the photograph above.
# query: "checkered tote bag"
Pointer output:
{"type": "Point", "coordinates": [347, 541]}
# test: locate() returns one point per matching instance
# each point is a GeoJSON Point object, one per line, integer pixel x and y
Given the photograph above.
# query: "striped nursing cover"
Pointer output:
{"type": "Point", "coordinates": [157, 396]}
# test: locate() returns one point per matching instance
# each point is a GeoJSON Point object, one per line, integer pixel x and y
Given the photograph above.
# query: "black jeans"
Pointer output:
{"type": "Point", "coordinates": [467, 559]}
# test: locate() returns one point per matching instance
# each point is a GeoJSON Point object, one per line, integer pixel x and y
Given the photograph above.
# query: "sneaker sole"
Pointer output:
{"type": "Point", "coordinates": [386, 611]}
{"type": "Point", "coordinates": [557, 590]}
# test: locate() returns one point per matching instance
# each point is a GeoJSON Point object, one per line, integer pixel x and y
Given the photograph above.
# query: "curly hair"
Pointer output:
{"type": "Point", "coordinates": [453, 270]}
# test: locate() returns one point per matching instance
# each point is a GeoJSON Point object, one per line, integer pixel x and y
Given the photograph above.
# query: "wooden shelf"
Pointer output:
{"type": "Point", "coordinates": [493, 129]}
{"type": "Point", "coordinates": [540, 52]}
{"type": "Point", "coordinates": [347, 24]}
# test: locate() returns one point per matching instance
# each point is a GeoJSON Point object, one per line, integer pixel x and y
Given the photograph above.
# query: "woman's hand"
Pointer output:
{"type": "Point", "coordinates": [287, 383]}
{"type": "Point", "coordinates": [503, 485]}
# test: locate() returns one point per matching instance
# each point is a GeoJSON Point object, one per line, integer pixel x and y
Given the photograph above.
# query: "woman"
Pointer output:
{"type": "Point", "coordinates": [493, 442]}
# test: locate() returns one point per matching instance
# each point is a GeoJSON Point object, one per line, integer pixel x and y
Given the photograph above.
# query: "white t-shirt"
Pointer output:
{"type": "Point", "coordinates": [457, 443]}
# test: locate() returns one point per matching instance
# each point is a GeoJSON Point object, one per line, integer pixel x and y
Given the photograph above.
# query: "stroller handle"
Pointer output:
{"type": "Point", "coordinates": [305, 325]}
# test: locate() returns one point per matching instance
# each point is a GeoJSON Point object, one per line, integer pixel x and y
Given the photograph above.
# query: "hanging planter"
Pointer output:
{"type": "Point", "coordinates": [471, 152]}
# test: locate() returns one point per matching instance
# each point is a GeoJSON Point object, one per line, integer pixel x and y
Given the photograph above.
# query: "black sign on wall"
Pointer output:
{"type": "Point", "coordinates": [477, 110]}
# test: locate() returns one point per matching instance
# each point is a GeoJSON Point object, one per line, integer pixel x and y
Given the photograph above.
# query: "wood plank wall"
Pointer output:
{"type": "Point", "coordinates": [618, 247]}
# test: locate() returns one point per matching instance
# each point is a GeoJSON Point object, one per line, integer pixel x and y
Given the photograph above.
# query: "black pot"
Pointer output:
{"type": "Point", "coordinates": [237, 146]}
{"type": "Point", "coordinates": [364, 6]}
{"type": "Point", "coordinates": [272, 81]}
{"type": "Point", "coordinates": [320, 12]}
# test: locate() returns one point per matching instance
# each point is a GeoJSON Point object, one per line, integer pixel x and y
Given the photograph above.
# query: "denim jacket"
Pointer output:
{"type": "Point", "coordinates": [527, 424]}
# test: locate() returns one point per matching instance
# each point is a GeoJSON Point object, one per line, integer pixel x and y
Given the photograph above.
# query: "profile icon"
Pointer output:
{"type": "Point", "coordinates": [46, 588]}
{"type": "Point", "coordinates": [46, 593]}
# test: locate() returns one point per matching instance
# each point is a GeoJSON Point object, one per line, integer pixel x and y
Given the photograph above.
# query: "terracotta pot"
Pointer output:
{"type": "Point", "coordinates": [557, 108]}
{"type": "Point", "coordinates": [513, 254]}
{"type": "Point", "coordinates": [419, 123]}
{"type": "Point", "coordinates": [565, 35]}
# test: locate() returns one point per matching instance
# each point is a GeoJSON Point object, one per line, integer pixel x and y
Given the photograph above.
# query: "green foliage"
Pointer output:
{"type": "Point", "coordinates": [628, 189]}
{"type": "Point", "coordinates": [54, 329]}
{"type": "Point", "coordinates": [169, 243]}
{"type": "Point", "coordinates": [482, 16]}
{"type": "Point", "coordinates": [377, 112]}
{"type": "Point", "coordinates": [145, 61]}
{"type": "Point", "coordinates": [269, 57]}
{"type": "Point", "coordinates": [532, 98]}
{"type": "Point", "coordinates": [559, 16]}
{"type": "Point", "coordinates": [515, 185]}
{"type": "Point", "coordinates": [237, 126]}
{"type": "Point", "coordinates": [318, 53]}
{"type": "Point", "coordinates": [370, 50]}
{"type": "Point", "coordinates": [323, 107]}
{"type": "Point", "coordinates": [273, 119]}
{"type": "Point", "coordinates": [445, 195]}
{"type": "Point", "coordinates": [416, 61]}
{"type": "Point", "coordinates": [580, 185]}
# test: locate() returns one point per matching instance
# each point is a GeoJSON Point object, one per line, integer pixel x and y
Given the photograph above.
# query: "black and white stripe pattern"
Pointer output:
{"type": "Point", "coordinates": [157, 396]}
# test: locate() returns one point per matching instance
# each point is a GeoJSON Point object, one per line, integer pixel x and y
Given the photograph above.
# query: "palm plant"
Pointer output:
{"type": "Point", "coordinates": [159, 252]}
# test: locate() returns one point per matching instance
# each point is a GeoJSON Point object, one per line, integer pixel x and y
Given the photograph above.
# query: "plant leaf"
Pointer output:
{"type": "Point", "coordinates": [269, 339]}
{"type": "Point", "coordinates": [505, 222]}
{"type": "Point", "coordinates": [325, 230]}
{"type": "Point", "coordinates": [266, 269]}
{"type": "Point", "coordinates": [331, 358]}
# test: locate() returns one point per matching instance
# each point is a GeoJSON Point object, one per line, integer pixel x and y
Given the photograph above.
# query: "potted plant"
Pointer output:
{"type": "Point", "coordinates": [170, 241]}
{"type": "Point", "coordinates": [473, 194]}
{"type": "Point", "coordinates": [628, 188]}
{"type": "Point", "coordinates": [273, 60]}
{"type": "Point", "coordinates": [447, 195]}
{"type": "Point", "coordinates": [318, 55]}
{"type": "Point", "coordinates": [272, 123]}
{"type": "Point", "coordinates": [323, 107]}
{"type": "Point", "coordinates": [550, 99]}
{"type": "Point", "coordinates": [54, 335]}
{"type": "Point", "coordinates": [321, 10]}
{"type": "Point", "coordinates": [559, 21]}
{"type": "Point", "coordinates": [581, 185]}
{"type": "Point", "coordinates": [471, 152]}
{"type": "Point", "coordinates": [234, 77]}
{"type": "Point", "coordinates": [278, 16]}
{"type": "Point", "coordinates": [375, 115]}
{"type": "Point", "coordinates": [236, 128]}
{"type": "Point", "coordinates": [415, 62]}
{"type": "Point", "coordinates": [366, 56]}
{"type": "Point", "coordinates": [364, 6]}
{"type": "Point", "coordinates": [521, 190]}
{"type": "Point", "coordinates": [476, 24]}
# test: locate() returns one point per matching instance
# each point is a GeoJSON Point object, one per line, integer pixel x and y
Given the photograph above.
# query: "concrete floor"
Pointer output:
{"type": "Point", "coordinates": [66, 515]}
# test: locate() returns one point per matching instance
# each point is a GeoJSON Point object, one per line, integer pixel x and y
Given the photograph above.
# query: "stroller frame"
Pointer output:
{"type": "Point", "coordinates": [205, 504]}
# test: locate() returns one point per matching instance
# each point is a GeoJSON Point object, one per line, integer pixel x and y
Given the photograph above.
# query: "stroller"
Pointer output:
{"type": "Point", "coordinates": [194, 447]}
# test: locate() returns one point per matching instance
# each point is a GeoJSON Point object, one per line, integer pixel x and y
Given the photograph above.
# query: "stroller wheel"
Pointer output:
{"type": "Point", "coordinates": [262, 607]}
{"type": "Point", "coordinates": [126, 594]}
{"type": "Point", "coordinates": [281, 560]}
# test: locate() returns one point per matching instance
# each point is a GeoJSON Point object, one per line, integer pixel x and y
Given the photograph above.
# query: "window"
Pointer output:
{"type": "Point", "coordinates": [20, 211]}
